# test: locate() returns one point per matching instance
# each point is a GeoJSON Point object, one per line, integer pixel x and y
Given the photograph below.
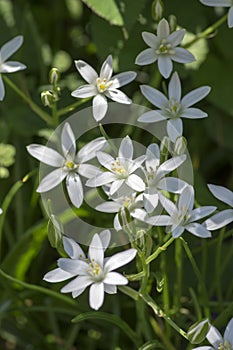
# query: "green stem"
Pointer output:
{"type": "Point", "coordinates": [207, 31]}
{"type": "Point", "coordinates": [159, 332]}
{"type": "Point", "coordinates": [55, 115]}
{"type": "Point", "coordinates": [159, 250]}
{"type": "Point", "coordinates": [43, 115]}
{"type": "Point", "coordinates": [105, 135]}
{"type": "Point", "coordinates": [179, 274]}
{"type": "Point", "coordinates": [218, 262]}
{"type": "Point", "coordinates": [71, 107]}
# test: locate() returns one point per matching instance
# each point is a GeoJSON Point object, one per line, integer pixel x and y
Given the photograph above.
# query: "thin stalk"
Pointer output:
{"type": "Point", "coordinates": [207, 31]}
{"type": "Point", "coordinates": [71, 107]}
{"type": "Point", "coordinates": [105, 135]}
{"type": "Point", "coordinates": [218, 262]}
{"type": "Point", "coordinates": [161, 334]}
{"type": "Point", "coordinates": [72, 336]}
{"type": "Point", "coordinates": [159, 250]}
{"type": "Point", "coordinates": [179, 274]}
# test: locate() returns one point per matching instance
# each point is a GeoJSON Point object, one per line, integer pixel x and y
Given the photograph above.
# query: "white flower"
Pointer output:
{"type": "Point", "coordinates": [131, 202]}
{"type": "Point", "coordinates": [102, 86]}
{"type": "Point", "coordinates": [222, 3]}
{"type": "Point", "coordinates": [156, 180]}
{"type": "Point", "coordinates": [1, 211]}
{"type": "Point", "coordinates": [174, 107]}
{"type": "Point", "coordinates": [120, 169]}
{"type": "Point", "coordinates": [183, 216]}
{"type": "Point", "coordinates": [9, 66]}
{"type": "Point", "coordinates": [217, 341]}
{"type": "Point", "coordinates": [163, 48]}
{"type": "Point", "coordinates": [94, 271]}
{"type": "Point", "coordinates": [68, 165]}
{"type": "Point", "coordinates": [224, 217]}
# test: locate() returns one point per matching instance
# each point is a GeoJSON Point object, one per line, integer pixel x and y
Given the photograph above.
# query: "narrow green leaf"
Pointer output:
{"type": "Point", "coordinates": [107, 10]}
{"type": "Point", "coordinates": [111, 318]}
{"type": "Point", "coordinates": [151, 344]}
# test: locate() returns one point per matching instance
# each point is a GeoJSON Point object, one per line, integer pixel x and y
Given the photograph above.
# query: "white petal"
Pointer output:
{"type": "Point", "coordinates": [151, 117]}
{"type": "Point", "coordinates": [84, 91]}
{"type": "Point", "coordinates": [169, 165]}
{"type": "Point", "coordinates": [177, 231]}
{"type": "Point", "coordinates": [101, 179]}
{"type": "Point", "coordinates": [115, 278]}
{"type": "Point", "coordinates": [165, 65]}
{"type": "Point", "coordinates": [230, 18]}
{"type": "Point", "coordinates": [228, 334]}
{"type": "Point", "coordinates": [75, 267]}
{"type": "Point", "coordinates": [135, 164]}
{"type": "Point", "coordinates": [120, 259]}
{"type": "Point", "coordinates": [109, 207]}
{"type": "Point", "coordinates": [11, 47]}
{"type": "Point", "coordinates": [116, 186]}
{"type": "Point", "coordinates": [57, 275]}
{"type": "Point", "coordinates": [186, 199]}
{"type": "Point", "coordinates": [12, 66]}
{"type": "Point", "coordinates": [68, 141]}
{"type": "Point", "coordinates": [214, 337]}
{"type": "Point", "coordinates": [135, 182]}
{"type": "Point", "coordinates": [88, 151]}
{"type": "Point", "coordinates": [75, 189]}
{"type": "Point", "coordinates": [222, 193]}
{"type": "Point", "coordinates": [172, 184]}
{"type": "Point", "coordinates": [163, 29]}
{"type": "Point", "coordinates": [174, 128]}
{"type": "Point", "coordinates": [96, 251]}
{"type": "Point", "coordinates": [216, 3]}
{"type": "Point", "coordinates": [150, 201]}
{"type": "Point", "coordinates": [118, 96]}
{"type": "Point", "coordinates": [96, 295]}
{"type": "Point", "coordinates": [159, 220]}
{"type": "Point", "coordinates": [88, 170]}
{"type": "Point", "coordinates": [46, 155]}
{"type": "Point", "coordinates": [193, 113]}
{"type": "Point", "coordinates": [51, 180]}
{"type": "Point", "coordinates": [176, 37]}
{"type": "Point", "coordinates": [73, 249]}
{"type": "Point", "coordinates": [182, 55]}
{"type": "Point", "coordinates": [198, 230]}
{"type": "Point", "coordinates": [79, 283]}
{"type": "Point", "coordinates": [195, 96]}
{"type": "Point", "coordinates": [145, 57]}
{"type": "Point", "coordinates": [100, 107]}
{"type": "Point", "coordinates": [151, 40]}
{"type": "Point", "coordinates": [201, 212]}
{"type": "Point", "coordinates": [110, 288]}
{"type": "Point", "coordinates": [78, 292]}
{"type": "Point", "coordinates": [168, 205]}
{"type": "Point", "coordinates": [174, 87]}
{"type": "Point", "coordinates": [116, 223]}
{"type": "Point", "coordinates": [156, 97]}
{"type": "Point", "coordinates": [105, 159]}
{"type": "Point", "coordinates": [219, 220]}
{"type": "Point", "coordinates": [126, 148]}
{"type": "Point", "coordinates": [86, 71]}
{"type": "Point", "coordinates": [2, 89]}
{"type": "Point", "coordinates": [204, 348]}
{"type": "Point", "coordinates": [122, 79]}
{"type": "Point", "coordinates": [152, 157]}
{"type": "Point", "coordinates": [105, 237]}
{"type": "Point", "coordinates": [106, 69]}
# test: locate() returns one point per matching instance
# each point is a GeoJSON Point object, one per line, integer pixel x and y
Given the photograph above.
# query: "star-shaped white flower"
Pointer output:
{"type": "Point", "coordinates": [6, 51]}
{"type": "Point", "coordinates": [68, 165]}
{"type": "Point", "coordinates": [174, 107]}
{"type": "Point", "coordinates": [183, 216]}
{"type": "Point", "coordinates": [156, 180]}
{"type": "Point", "coordinates": [224, 217]}
{"type": "Point", "coordinates": [94, 271]}
{"type": "Point", "coordinates": [222, 3]}
{"type": "Point", "coordinates": [120, 170]}
{"type": "Point", "coordinates": [102, 86]}
{"type": "Point", "coordinates": [163, 48]}
{"type": "Point", "coordinates": [217, 341]}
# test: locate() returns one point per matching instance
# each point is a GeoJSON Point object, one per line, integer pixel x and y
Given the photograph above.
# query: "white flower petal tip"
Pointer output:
{"type": "Point", "coordinates": [102, 86]}
{"type": "Point", "coordinates": [94, 271]}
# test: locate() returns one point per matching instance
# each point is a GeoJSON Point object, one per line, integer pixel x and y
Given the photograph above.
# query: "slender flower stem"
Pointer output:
{"type": "Point", "coordinates": [105, 135]}
{"type": "Point", "coordinates": [159, 250]}
{"type": "Point", "coordinates": [43, 115]}
{"type": "Point", "coordinates": [207, 31]}
{"type": "Point", "coordinates": [71, 107]}
{"type": "Point", "coordinates": [159, 332]}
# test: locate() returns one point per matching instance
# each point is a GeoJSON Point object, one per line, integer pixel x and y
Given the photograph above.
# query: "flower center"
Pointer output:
{"type": "Point", "coordinates": [70, 165]}
{"type": "Point", "coordinates": [183, 216]}
{"type": "Point", "coordinates": [165, 48]}
{"type": "Point", "coordinates": [103, 84]}
{"type": "Point", "coordinates": [173, 108]}
{"type": "Point", "coordinates": [118, 169]}
{"type": "Point", "coordinates": [95, 271]}
{"type": "Point", "coordinates": [224, 346]}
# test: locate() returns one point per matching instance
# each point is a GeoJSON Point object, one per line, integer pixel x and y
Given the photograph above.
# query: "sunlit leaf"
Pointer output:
{"type": "Point", "coordinates": [107, 10]}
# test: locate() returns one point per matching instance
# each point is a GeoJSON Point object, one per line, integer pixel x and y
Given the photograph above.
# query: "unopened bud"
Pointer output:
{"type": "Point", "coordinates": [48, 98]}
{"type": "Point", "coordinates": [165, 145]}
{"type": "Point", "coordinates": [172, 23]}
{"type": "Point", "coordinates": [54, 76]}
{"type": "Point", "coordinates": [157, 10]}
{"type": "Point", "coordinates": [180, 145]}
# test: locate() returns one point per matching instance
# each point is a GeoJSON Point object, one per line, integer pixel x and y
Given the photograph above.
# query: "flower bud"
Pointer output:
{"type": "Point", "coordinates": [157, 10]}
{"type": "Point", "coordinates": [172, 23]}
{"type": "Point", "coordinates": [180, 145]}
{"type": "Point", "coordinates": [198, 331]}
{"type": "Point", "coordinates": [48, 98]}
{"type": "Point", "coordinates": [165, 145]}
{"type": "Point", "coordinates": [54, 76]}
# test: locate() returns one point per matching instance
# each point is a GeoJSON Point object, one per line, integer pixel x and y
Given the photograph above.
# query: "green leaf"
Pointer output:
{"type": "Point", "coordinates": [106, 9]}
{"type": "Point", "coordinates": [111, 318]}
{"type": "Point", "coordinates": [197, 332]}
{"type": "Point", "coordinates": [151, 344]}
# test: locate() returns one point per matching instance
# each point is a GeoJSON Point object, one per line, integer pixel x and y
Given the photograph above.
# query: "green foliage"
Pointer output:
{"type": "Point", "coordinates": [106, 9]}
